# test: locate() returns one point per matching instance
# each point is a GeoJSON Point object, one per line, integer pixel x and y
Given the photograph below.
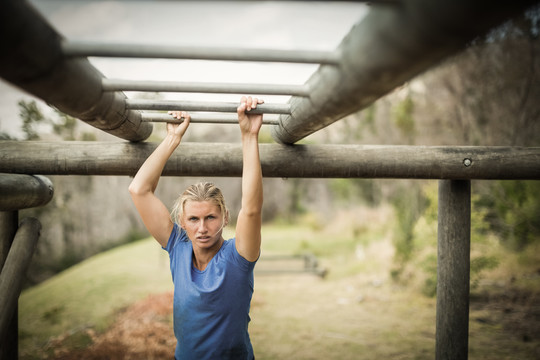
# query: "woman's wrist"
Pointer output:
{"type": "Point", "coordinates": [249, 137]}
{"type": "Point", "coordinates": [172, 139]}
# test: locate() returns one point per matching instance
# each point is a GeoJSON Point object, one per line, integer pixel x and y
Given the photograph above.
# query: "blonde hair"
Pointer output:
{"type": "Point", "coordinates": [203, 191]}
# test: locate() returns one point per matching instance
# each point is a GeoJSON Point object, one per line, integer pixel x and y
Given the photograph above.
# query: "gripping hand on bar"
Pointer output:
{"type": "Point", "coordinates": [249, 123]}
{"type": "Point", "coordinates": [178, 128]}
{"type": "Point", "coordinates": [219, 118]}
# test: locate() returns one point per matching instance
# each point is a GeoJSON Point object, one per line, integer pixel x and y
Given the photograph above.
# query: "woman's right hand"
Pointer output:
{"type": "Point", "coordinates": [176, 129]}
{"type": "Point", "coordinates": [249, 123]}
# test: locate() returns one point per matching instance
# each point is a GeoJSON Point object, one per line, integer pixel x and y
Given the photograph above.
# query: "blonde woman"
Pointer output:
{"type": "Point", "coordinates": [213, 277]}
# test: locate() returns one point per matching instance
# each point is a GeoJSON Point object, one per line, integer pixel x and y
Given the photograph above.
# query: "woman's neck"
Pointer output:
{"type": "Point", "coordinates": [202, 257]}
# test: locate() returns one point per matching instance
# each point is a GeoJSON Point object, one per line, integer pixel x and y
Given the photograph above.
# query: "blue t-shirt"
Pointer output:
{"type": "Point", "coordinates": [211, 307]}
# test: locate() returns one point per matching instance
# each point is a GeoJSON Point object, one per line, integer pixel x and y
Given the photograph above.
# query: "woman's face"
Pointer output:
{"type": "Point", "coordinates": [203, 223]}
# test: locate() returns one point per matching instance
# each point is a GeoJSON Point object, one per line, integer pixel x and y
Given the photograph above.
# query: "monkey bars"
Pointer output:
{"type": "Point", "coordinates": [204, 106]}
{"type": "Point", "coordinates": [18, 191]}
{"type": "Point", "coordinates": [78, 49]}
{"type": "Point", "coordinates": [31, 58]}
{"type": "Point", "coordinates": [453, 269]}
{"type": "Point", "coordinates": [13, 271]}
{"type": "Point", "coordinates": [219, 88]}
{"type": "Point", "coordinates": [302, 161]}
{"type": "Point", "coordinates": [390, 46]}
{"type": "Point", "coordinates": [17, 244]}
{"type": "Point", "coordinates": [201, 118]}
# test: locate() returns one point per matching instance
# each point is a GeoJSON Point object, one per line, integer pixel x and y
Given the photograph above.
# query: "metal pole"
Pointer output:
{"type": "Point", "coordinates": [204, 106]}
{"type": "Point", "coordinates": [15, 267]}
{"type": "Point", "coordinates": [9, 221]}
{"type": "Point", "coordinates": [301, 161]}
{"type": "Point", "coordinates": [200, 118]}
{"type": "Point", "coordinates": [390, 46]}
{"type": "Point", "coordinates": [453, 270]}
{"type": "Point", "coordinates": [78, 48]}
{"type": "Point", "coordinates": [31, 58]}
{"type": "Point", "coordinates": [222, 88]}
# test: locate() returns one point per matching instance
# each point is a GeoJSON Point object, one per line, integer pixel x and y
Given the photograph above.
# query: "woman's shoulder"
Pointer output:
{"type": "Point", "coordinates": [231, 253]}
{"type": "Point", "coordinates": [178, 237]}
{"type": "Point", "coordinates": [229, 244]}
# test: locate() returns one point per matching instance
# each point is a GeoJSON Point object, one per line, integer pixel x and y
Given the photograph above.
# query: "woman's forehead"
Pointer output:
{"type": "Point", "coordinates": [201, 207]}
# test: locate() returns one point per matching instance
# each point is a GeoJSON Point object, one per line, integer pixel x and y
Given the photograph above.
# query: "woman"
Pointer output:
{"type": "Point", "coordinates": [213, 278]}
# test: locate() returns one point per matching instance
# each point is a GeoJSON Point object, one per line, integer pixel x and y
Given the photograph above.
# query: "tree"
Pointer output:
{"type": "Point", "coordinates": [32, 117]}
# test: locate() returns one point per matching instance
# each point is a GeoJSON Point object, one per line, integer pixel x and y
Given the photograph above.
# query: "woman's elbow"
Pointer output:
{"type": "Point", "coordinates": [252, 213]}
{"type": "Point", "coordinates": [135, 189]}
{"type": "Point", "coordinates": [132, 189]}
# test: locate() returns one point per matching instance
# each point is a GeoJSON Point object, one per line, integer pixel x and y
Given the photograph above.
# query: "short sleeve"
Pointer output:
{"type": "Point", "coordinates": [237, 259]}
{"type": "Point", "coordinates": [177, 234]}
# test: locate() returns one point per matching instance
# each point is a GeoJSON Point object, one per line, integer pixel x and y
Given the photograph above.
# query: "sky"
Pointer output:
{"type": "Point", "coordinates": [302, 25]}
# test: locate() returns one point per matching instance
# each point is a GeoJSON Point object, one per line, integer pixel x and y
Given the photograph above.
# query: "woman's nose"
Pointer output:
{"type": "Point", "coordinates": [202, 226]}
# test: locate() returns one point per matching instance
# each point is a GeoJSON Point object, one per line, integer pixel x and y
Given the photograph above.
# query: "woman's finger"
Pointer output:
{"type": "Point", "coordinates": [175, 114]}
{"type": "Point", "coordinates": [242, 107]}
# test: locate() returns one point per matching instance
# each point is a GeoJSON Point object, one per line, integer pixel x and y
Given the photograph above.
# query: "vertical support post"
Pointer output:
{"type": "Point", "coordinates": [15, 267]}
{"type": "Point", "coordinates": [453, 269]}
{"type": "Point", "coordinates": [8, 227]}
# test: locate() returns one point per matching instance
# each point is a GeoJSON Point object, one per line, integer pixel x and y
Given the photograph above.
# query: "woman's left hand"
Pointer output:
{"type": "Point", "coordinates": [178, 129]}
{"type": "Point", "coordinates": [249, 123]}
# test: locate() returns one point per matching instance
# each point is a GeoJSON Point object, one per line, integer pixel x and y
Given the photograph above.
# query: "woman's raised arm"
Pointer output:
{"type": "Point", "coordinates": [153, 212]}
{"type": "Point", "coordinates": [248, 226]}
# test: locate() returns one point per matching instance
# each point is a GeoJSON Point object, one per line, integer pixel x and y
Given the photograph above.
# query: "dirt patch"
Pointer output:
{"type": "Point", "coordinates": [516, 310]}
{"type": "Point", "coordinates": [142, 331]}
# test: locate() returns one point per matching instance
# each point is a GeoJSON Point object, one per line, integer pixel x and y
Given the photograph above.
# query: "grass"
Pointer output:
{"type": "Point", "coordinates": [350, 318]}
{"type": "Point", "coordinates": [356, 312]}
{"type": "Point", "coordinates": [88, 294]}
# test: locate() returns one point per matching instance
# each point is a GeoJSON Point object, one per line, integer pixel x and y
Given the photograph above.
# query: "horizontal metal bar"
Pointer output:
{"type": "Point", "coordinates": [204, 106]}
{"type": "Point", "coordinates": [199, 118]}
{"type": "Point", "coordinates": [302, 161]}
{"type": "Point", "coordinates": [221, 88]}
{"type": "Point", "coordinates": [78, 48]}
